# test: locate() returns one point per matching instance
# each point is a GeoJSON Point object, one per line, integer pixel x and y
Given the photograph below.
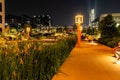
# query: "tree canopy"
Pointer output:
{"type": "Point", "coordinates": [107, 27]}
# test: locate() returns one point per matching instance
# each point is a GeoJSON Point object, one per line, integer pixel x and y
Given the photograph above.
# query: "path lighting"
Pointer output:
{"type": "Point", "coordinates": [28, 32]}
{"type": "Point", "coordinates": [79, 21]}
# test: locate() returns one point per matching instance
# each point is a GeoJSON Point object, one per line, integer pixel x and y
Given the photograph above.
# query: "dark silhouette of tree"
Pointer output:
{"type": "Point", "coordinates": [107, 27]}
{"type": "Point", "coordinates": [74, 27]}
{"type": "Point", "coordinates": [90, 31]}
{"type": "Point", "coordinates": [45, 20]}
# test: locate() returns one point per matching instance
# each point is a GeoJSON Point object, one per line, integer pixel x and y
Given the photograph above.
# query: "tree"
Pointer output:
{"type": "Point", "coordinates": [74, 27]}
{"type": "Point", "coordinates": [107, 27]}
{"type": "Point", "coordinates": [66, 28]}
{"type": "Point", "coordinates": [90, 31]}
{"type": "Point", "coordinates": [118, 27]}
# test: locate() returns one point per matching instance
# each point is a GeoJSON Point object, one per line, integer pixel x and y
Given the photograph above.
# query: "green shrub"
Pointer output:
{"type": "Point", "coordinates": [111, 42]}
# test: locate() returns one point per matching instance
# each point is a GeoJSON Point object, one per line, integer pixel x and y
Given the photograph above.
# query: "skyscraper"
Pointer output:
{"type": "Point", "coordinates": [92, 11]}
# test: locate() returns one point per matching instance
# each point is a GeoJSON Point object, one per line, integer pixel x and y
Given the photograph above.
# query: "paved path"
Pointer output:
{"type": "Point", "coordinates": [89, 62]}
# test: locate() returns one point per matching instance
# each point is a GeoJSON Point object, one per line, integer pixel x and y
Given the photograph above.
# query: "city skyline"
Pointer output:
{"type": "Point", "coordinates": [61, 12]}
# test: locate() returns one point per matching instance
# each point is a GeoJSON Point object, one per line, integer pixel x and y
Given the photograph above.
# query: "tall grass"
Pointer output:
{"type": "Point", "coordinates": [29, 60]}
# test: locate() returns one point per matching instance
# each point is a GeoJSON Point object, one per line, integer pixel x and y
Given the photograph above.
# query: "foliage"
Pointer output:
{"type": "Point", "coordinates": [31, 60]}
{"type": "Point", "coordinates": [74, 27]}
{"type": "Point", "coordinates": [13, 25]}
{"type": "Point", "coordinates": [66, 28]}
{"type": "Point", "coordinates": [109, 32]}
{"type": "Point", "coordinates": [118, 27]}
{"type": "Point", "coordinates": [90, 31]}
{"type": "Point", "coordinates": [111, 42]}
{"type": "Point", "coordinates": [107, 27]}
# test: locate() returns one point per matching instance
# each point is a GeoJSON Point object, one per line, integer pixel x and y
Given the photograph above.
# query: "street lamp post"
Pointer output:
{"type": "Point", "coordinates": [28, 32]}
{"type": "Point", "coordinates": [79, 21]}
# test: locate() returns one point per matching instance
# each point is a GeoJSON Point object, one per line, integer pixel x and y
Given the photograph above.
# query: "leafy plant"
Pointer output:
{"type": "Point", "coordinates": [32, 60]}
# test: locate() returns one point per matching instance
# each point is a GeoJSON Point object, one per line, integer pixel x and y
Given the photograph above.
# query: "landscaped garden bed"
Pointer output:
{"type": "Point", "coordinates": [32, 60]}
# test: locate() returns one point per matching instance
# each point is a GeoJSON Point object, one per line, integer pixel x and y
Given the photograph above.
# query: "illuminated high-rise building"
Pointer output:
{"type": "Point", "coordinates": [91, 16]}
{"type": "Point", "coordinates": [2, 15]}
{"type": "Point", "coordinates": [92, 11]}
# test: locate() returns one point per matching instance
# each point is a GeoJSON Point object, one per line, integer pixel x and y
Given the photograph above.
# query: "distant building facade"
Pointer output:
{"type": "Point", "coordinates": [116, 17]}
{"type": "Point", "coordinates": [35, 21]}
{"type": "Point", "coordinates": [2, 15]}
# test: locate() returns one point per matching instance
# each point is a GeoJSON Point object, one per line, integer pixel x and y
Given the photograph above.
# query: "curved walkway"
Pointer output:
{"type": "Point", "coordinates": [89, 62]}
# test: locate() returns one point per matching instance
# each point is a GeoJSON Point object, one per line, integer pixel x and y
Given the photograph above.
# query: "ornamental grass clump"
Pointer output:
{"type": "Point", "coordinates": [32, 60]}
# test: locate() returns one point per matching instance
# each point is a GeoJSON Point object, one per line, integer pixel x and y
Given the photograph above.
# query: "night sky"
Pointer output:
{"type": "Point", "coordinates": [61, 11]}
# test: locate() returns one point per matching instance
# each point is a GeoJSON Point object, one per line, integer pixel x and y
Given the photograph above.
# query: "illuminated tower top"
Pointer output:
{"type": "Point", "coordinates": [91, 16]}
{"type": "Point", "coordinates": [92, 11]}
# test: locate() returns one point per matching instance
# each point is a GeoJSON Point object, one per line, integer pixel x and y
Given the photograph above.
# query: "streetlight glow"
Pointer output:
{"type": "Point", "coordinates": [79, 19]}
